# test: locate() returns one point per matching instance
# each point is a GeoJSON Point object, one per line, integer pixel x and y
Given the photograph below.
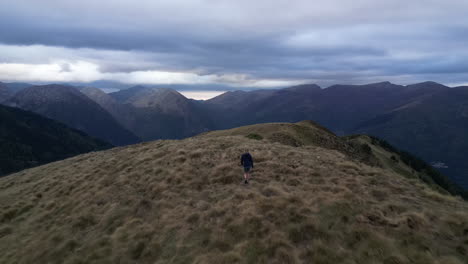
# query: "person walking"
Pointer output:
{"type": "Point", "coordinates": [247, 162]}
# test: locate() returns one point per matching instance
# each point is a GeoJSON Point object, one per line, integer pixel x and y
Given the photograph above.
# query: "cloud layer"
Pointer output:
{"type": "Point", "coordinates": [236, 43]}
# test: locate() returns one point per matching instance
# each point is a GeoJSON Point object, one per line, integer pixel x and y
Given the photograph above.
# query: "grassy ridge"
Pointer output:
{"type": "Point", "coordinates": [182, 201]}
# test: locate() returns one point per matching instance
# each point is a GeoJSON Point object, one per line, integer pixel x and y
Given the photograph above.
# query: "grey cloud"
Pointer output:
{"type": "Point", "coordinates": [330, 41]}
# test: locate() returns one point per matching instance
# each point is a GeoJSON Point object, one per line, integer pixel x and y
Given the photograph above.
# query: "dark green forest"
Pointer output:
{"type": "Point", "coordinates": [28, 139]}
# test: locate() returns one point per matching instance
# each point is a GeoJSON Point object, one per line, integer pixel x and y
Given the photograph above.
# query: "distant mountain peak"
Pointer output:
{"type": "Point", "coordinates": [72, 107]}
{"type": "Point", "coordinates": [40, 94]}
{"type": "Point", "coordinates": [427, 84]}
{"type": "Point", "coordinates": [137, 94]}
{"type": "Point", "coordinates": [137, 87]}
{"type": "Point", "coordinates": [304, 87]}
{"type": "Point", "coordinates": [379, 83]}
{"type": "Point", "coordinates": [165, 91]}
{"type": "Point", "coordinates": [100, 97]}
{"type": "Point", "coordinates": [385, 84]}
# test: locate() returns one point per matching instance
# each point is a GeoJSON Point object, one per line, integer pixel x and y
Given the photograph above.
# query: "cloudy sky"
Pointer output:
{"type": "Point", "coordinates": [241, 43]}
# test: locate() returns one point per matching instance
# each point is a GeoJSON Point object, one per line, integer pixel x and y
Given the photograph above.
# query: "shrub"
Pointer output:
{"type": "Point", "coordinates": [254, 136]}
{"type": "Point", "coordinates": [366, 149]}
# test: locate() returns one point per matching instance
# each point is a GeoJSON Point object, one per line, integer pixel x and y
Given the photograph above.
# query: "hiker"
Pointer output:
{"type": "Point", "coordinates": [247, 162]}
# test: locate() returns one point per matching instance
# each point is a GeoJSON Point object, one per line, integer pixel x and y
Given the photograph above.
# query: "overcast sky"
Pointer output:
{"type": "Point", "coordinates": [241, 43]}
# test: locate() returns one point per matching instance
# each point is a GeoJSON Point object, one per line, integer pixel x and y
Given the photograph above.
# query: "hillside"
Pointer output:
{"type": "Point", "coordinates": [17, 86]}
{"type": "Point", "coordinates": [69, 106]}
{"type": "Point", "coordinates": [5, 92]}
{"type": "Point", "coordinates": [28, 139]}
{"type": "Point", "coordinates": [435, 128]}
{"type": "Point", "coordinates": [314, 198]}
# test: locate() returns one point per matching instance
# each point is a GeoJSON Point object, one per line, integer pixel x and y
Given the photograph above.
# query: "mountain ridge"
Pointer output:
{"type": "Point", "coordinates": [68, 105]}
{"type": "Point", "coordinates": [182, 201]}
{"type": "Point", "coordinates": [164, 112]}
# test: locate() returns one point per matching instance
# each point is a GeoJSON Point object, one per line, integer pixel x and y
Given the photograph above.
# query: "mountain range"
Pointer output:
{"type": "Point", "coordinates": [162, 113]}
{"type": "Point", "coordinates": [71, 107]}
{"type": "Point", "coordinates": [313, 197]}
{"type": "Point", "coordinates": [435, 128]}
{"type": "Point", "coordinates": [427, 119]}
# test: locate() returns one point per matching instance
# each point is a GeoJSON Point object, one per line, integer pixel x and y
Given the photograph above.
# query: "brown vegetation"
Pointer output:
{"type": "Point", "coordinates": [183, 202]}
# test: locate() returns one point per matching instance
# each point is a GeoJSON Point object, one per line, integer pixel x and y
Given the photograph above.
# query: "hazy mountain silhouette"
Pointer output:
{"type": "Point", "coordinates": [339, 107]}
{"type": "Point", "coordinates": [5, 92]}
{"type": "Point", "coordinates": [66, 104]}
{"type": "Point", "coordinates": [123, 113]}
{"type": "Point", "coordinates": [162, 113]}
{"type": "Point", "coordinates": [17, 86]}
{"type": "Point", "coordinates": [8, 90]}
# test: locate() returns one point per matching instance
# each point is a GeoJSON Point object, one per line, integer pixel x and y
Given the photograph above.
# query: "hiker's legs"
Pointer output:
{"type": "Point", "coordinates": [246, 174]}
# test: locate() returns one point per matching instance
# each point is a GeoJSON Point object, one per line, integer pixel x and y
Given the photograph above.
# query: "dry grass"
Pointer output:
{"type": "Point", "coordinates": [183, 202]}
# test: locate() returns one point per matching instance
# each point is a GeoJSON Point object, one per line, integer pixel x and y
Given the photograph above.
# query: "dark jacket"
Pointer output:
{"type": "Point", "coordinates": [246, 160]}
